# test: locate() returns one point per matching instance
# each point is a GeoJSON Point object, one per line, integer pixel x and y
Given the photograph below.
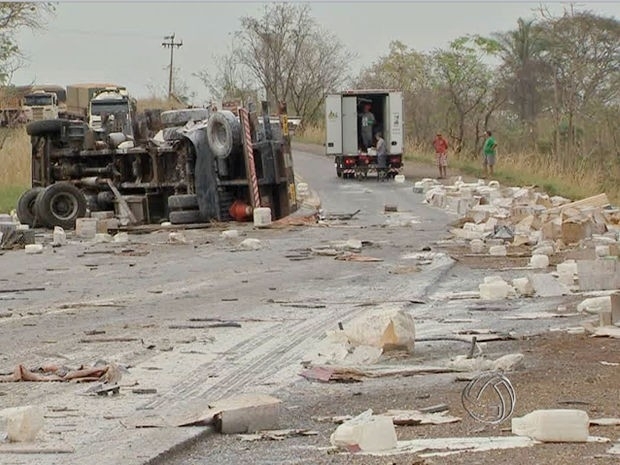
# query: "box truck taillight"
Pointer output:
{"type": "Point", "coordinates": [349, 161]}
{"type": "Point", "coordinates": [395, 160]}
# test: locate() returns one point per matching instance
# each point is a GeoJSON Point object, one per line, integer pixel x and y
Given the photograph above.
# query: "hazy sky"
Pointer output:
{"type": "Point", "coordinates": [121, 41]}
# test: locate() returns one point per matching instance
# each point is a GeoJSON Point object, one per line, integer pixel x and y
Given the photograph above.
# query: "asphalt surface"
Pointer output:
{"type": "Point", "coordinates": [155, 294]}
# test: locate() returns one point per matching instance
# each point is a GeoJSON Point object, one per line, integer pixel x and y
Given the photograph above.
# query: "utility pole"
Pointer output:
{"type": "Point", "coordinates": [171, 44]}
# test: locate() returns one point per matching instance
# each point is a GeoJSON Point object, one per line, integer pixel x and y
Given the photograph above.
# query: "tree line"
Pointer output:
{"type": "Point", "coordinates": [548, 86]}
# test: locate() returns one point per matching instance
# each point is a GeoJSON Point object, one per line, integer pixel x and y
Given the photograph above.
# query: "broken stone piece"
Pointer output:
{"type": "Point", "coordinates": [33, 248]}
{"type": "Point", "coordinates": [386, 328]}
{"type": "Point", "coordinates": [498, 251]}
{"type": "Point", "coordinates": [23, 423]}
{"type": "Point", "coordinates": [539, 261]}
{"type": "Point", "coordinates": [250, 244]}
{"type": "Point", "coordinates": [86, 228]}
{"type": "Point", "coordinates": [59, 236]}
{"type": "Point", "coordinates": [477, 246]}
{"type": "Point", "coordinates": [560, 425]}
{"type": "Point", "coordinates": [230, 234]}
{"type": "Point", "coordinates": [523, 286]}
{"type": "Point", "coordinates": [247, 413]}
{"type": "Point", "coordinates": [595, 305]}
{"type": "Point", "coordinates": [367, 432]}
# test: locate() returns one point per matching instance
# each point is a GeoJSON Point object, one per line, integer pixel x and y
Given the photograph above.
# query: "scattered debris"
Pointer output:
{"type": "Point", "coordinates": [108, 339]}
{"type": "Point", "coordinates": [354, 257]}
{"type": "Point", "coordinates": [33, 248]}
{"type": "Point", "coordinates": [473, 395]}
{"type": "Point", "coordinates": [177, 238]}
{"type": "Point", "coordinates": [144, 391]}
{"type": "Point", "coordinates": [61, 373]}
{"type": "Point", "coordinates": [605, 421]}
{"type": "Point", "coordinates": [224, 324]}
{"type": "Point", "coordinates": [443, 446]}
{"type": "Point", "coordinates": [356, 374]}
{"type": "Point", "coordinates": [277, 435]}
{"type": "Point", "coordinates": [415, 417]}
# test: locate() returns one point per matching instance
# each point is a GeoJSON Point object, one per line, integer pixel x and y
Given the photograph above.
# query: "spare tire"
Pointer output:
{"type": "Point", "coordinates": [182, 202]}
{"type": "Point", "coordinates": [26, 206]}
{"type": "Point", "coordinates": [223, 133]}
{"type": "Point", "coordinates": [185, 217]}
{"type": "Point", "coordinates": [46, 126]}
{"type": "Point", "coordinates": [60, 205]}
{"type": "Point", "coordinates": [172, 118]}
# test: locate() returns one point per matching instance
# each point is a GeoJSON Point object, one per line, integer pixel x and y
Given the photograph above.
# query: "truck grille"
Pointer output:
{"type": "Point", "coordinates": [37, 114]}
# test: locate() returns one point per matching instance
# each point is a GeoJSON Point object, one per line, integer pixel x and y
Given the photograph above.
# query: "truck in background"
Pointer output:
{"type": "Point", "coordinates": [80, 95]}
{"type": "Point", "coordinates": [343, 131]}
{"type": "Point", "coordinates": [111, 108]}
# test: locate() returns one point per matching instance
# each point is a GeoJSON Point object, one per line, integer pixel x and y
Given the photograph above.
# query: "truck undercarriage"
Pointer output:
{"type": "Point", "coordinates": [195, 173]}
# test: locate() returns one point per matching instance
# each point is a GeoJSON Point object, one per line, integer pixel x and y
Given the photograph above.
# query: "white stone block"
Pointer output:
{"type": "Point", "coordinates": [602, 251]}
{"type": "Point", "coordinates": [498, 251]}
{"type": "Point", "coordinates": [101, 238]}
{"type": "Point", "coordinates": [543, 250]}
{"type": "Point", "coordinates": [59, 237]}
{"type": "Point", "coordinates": [495, 290]}
{"type": "Point", "coordinates": [250, 244]}
{"type": "Point", "coordinates": [121, 237]}
{"type": "Point", "coordinates": [385, 327]}
{"type": "Point", "coordinates": [539, 261]}
{"type": "Point", "coordinates": [399, 178]}
{"type": "Point", "coordinates": [523, 286]}
{"type": "Point", "coordinates": [230, 234]}
{"type": "Point", "coordinates": [262, 216]}
{"type": "Point", "coordinates": [371, 433]}
{"type": "Point", "coordinates": [560, 425]}
{"type": "Point", "coordinates": [477, 246]}
{"type": "Point", "coordinates": [595, 305]}
{"type": "Point", "coordinates": [32, 249]}
{"type": "Point", "coordinates": [86, 228]}
{"type": "Point", "coordinates": [23, 423]}
{"type": "Point", "coordinates": [247, 413]}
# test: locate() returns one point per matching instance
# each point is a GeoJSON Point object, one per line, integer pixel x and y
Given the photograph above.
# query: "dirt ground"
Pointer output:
{"type": "Point", "coordinates": [561, 371]}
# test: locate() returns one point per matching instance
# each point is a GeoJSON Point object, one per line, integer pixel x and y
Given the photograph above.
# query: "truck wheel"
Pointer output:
{"type": "Point", "coordinates": [223, 133]}
{"type": "Point", "coordinates": [25, 206]}
{"type": "Point", "coordinates": [185, 217]}
{"type": "Point", "coordinates": [339, 172]}
{"type": "Point", "coordinates": [60, 205]}
{"type": "Point", "coordinates": [182, 202]}
{"type": "Point", "coordinates": [173, 118]}
{"type": "Point", "coordinates": [46, 126]}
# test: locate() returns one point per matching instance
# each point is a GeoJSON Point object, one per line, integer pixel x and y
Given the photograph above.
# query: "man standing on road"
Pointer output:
{"type": "Point", "coordinates": [381, 157]}
{"type": "Point", "coordinates": [489, 151]}
{"type": "Point", "coordinates": [368, 122]}
{"type": "Point", "coordinates": [441, 155]}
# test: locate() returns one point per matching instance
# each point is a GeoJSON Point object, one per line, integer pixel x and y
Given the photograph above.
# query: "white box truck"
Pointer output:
{"type": "Point", "coordinates": [350, 134]}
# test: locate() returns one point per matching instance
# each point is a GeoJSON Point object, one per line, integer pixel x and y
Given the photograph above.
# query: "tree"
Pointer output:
{"type": "Point", "coordinates": [467, 87]}
{"type": "Point", "coordinates": [523, 68]}
{"type": "Point", "coordinates": [409, 71]}
{"type": "Point", "coordinates": [13, 17]}
{"type": "Point", "coordinates": [584, 53]}
{"type": "Point", "coordinates": [287, 54]}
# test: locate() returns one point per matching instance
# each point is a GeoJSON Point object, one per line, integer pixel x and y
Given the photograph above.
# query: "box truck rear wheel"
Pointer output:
{"type": "Point", "coordinates": [60, 205]}
{"type": "Point", "coordinates": [25, 206]}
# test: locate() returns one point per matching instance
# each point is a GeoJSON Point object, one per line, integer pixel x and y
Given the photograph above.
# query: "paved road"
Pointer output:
{"type": "Point", "coordinates": [140, 289]}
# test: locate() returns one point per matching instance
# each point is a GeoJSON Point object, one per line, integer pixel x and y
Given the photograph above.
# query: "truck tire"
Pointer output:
{"type": "Point", "coordinates": [173, 118]}
{"type": "Point", "coordinates": [25, 206]}
{"type": "Point", "coordinates": [182, 202]}
{"type": "Point", "coordinates": [223, 133]}
{"type": "Point", "coordinates": [185, 217]}
{"type": "Point", "coordinates": [60, 205]}
{"type": "Point", "coordinates": [46, 126]}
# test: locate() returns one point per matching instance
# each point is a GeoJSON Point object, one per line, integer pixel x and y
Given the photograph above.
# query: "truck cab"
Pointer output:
{"type": "Point", "coordinates": [351, 142]}
{"type": "Point", "coordinates": [110, 110]}
{"type": "Point", "coordinates": [40, 105]}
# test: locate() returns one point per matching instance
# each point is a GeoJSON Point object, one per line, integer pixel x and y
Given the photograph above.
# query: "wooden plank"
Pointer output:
{"type": "Point", "coordinates": [596, 201]}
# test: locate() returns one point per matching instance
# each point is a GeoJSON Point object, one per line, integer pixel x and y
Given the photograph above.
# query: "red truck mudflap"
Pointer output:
{"type": "Point", "coordinates": [361, 165]}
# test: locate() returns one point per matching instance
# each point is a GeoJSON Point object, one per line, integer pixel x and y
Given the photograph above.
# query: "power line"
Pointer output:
{"type": "Point", "coordinates": [171, 44]}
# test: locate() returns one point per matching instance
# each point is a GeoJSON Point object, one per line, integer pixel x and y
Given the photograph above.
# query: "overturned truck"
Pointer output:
{"type": "Point", "coordinates": [201, 167]}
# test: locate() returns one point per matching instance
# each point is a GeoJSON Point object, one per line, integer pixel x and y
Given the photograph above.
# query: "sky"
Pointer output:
{"type": "Point", "coordinates": [121, 42]}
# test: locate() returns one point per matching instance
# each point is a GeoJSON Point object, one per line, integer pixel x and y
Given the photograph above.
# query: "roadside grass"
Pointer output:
{"type": "Point", "coordinates": [517, 169]}
{"type": "Point", "coordinates": [15, 163]}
